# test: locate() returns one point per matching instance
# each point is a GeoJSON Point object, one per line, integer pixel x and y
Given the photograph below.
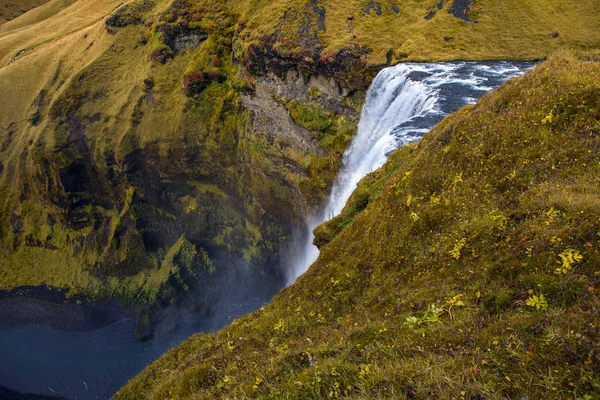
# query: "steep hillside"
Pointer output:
{"type": "Point", "coordinates": [380, 31]}
{"type": "Point", "coordinates": [465, 268]}
{"type": "Point", "coordinates": [11, 9]}
{"type": "Point", "coordinates": [150, 146]}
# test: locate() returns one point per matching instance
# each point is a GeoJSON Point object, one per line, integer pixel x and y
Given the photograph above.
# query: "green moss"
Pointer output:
{"type": "Point", "coordinates": [309, 116]}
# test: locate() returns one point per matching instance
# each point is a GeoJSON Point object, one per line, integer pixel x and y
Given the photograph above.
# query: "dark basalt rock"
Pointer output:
{"type": "Point", "coordinates": [128, 15]}
{"type": "Point", "coordinates": [17, 224]}
{"type": "Point", "coordinates": [320, 12]}
{"type": "Point", "coordinates": [181, 36]}
{"type": "Point", "coordinates": [188, 41]}
{"type": "Point", "coordinates": [122, 18]}
{"type": "Point", "coordinates": [373, 6]}
{"type": "Point", "coordinates": [435, 9]}
{"type": "Point", "coordinates": [460, 9]}
{"type": "Point", "coordinates": [346, 66]}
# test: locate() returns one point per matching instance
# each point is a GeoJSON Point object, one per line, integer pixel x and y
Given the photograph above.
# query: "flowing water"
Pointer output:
{"type": "Point", "coordinates": [403, 103]}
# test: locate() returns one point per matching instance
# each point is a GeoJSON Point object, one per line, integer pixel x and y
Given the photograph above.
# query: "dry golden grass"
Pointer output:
{"type": "Point", "coordinates": [11, 9]}
{"type": "Point", "coordinates": [508, 29]}
{"type": "Point", "coordinates": [56, 49]}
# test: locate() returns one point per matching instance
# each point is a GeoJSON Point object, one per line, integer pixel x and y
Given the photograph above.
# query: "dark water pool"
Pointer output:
{"type": "Point", "coordinates": [94, 364]}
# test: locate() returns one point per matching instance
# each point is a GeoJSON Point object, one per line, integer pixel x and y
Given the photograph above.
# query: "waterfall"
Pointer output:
{"type": "Point", "coordinates": [392, 100]}
{"type": "Point", "coordinates": [403, 103]}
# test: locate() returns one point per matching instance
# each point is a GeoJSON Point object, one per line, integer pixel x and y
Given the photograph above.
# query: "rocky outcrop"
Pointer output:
{"type": "Point", "coordinates": [267, 104]}
{"type": "Point", "coordinates": [272, 119]}
{"type": "Point", "coordinates": [187, 41]}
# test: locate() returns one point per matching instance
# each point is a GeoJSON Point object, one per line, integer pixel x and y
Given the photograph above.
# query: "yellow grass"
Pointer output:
{"type": "Point", "coordinates": [11, 9]}
{"type": "Point", "coordinates": [509, 29]}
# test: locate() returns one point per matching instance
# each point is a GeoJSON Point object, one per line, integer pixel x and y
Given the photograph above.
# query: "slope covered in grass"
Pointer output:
{"type": "Point", "coordinates": [426, 30]}
{"type": "Point", "coordinates": [471, 272]}
{"type": "Point", "coordinates": [11, 9]}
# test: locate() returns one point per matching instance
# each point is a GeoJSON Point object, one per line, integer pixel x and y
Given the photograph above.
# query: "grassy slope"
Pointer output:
{"type": "Point", "coordinates": [513, 29]}
{"type": "Point", "coordinates": [10, 10]}
{"type": "Point", "coordinates": [483, 211]}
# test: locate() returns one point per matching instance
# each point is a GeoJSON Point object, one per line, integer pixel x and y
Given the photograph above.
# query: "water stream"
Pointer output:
{"type": "Point", "coordinates": [403, 103]}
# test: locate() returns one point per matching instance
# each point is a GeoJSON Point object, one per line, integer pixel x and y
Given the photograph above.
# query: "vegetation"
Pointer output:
{"type": "Point", "coordinates": [135, 139]}
{"type": "Point", "coordinates": [462, 301]}
{"type": "Point", "coordinates": [126, 159]}
{"type": "Point", "coordinates": [11, 9]}
{"type": "Point", "coordinates": [345, 36]}
{"type": "Point", "coordinates": [140, 157]}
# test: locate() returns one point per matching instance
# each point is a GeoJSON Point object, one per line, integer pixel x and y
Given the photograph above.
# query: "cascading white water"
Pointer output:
{"type": "Point", "coordinates": [392, 100]}
{"type": "Point", "coordinates": [403, 103]}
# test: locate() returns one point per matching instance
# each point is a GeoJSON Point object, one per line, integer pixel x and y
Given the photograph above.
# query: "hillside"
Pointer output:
{"type": "Point", "coordinates": [466, 268]}
{"type": "Point", "coordinates": [151, 146]}
{"type": "Point", "coordinates": [11, 9]}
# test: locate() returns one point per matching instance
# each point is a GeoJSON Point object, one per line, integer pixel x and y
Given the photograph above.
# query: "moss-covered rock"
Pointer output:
{"type": "Point", "coordinates": [147, 175]}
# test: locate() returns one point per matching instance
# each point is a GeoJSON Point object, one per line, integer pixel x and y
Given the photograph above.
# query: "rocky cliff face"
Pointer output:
{"type": "Point", "coordinates": [154, 146]}
{"type": "Point", "coordinates": [158, 163]}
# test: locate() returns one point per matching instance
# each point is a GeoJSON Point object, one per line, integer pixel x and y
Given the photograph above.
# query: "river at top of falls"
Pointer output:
{"type": "Point", "coordinates": [403, 103]}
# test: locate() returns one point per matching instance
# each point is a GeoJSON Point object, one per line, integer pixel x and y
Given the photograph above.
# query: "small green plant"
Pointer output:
{"type": "Point", "coordinates": [456, 251]}
{"type": "Point", "coordinates": [280, 326]}
{"type": "Point", "coordinates": [538, 302]}
{"type": "Point", "coordinates": [553, 215]}
{"type": "Point", "coordinates": [568, 259]}
{"type": "Point", "coordinates": [365, 371]}
{"type": "Point", "coordinates": [257, 383]}
{"type": "Point", "coordinates": [431, 315]}
{"type": "Point", "coordinates": [548, 118]}
{"type": "Point", "coordinates": [585, 397]}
